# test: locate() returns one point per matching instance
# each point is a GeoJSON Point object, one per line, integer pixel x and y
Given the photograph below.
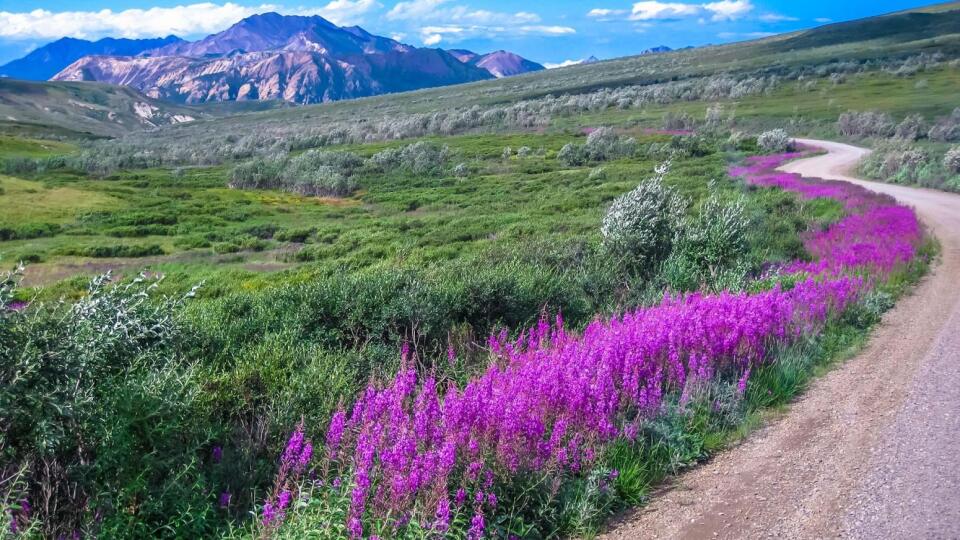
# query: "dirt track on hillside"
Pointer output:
{"type": "Point", "coordinates": [872, 449]}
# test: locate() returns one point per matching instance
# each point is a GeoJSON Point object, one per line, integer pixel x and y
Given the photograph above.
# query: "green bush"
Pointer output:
{"type": "Point", "coordinates": [641, 226]}
{"type": "Point", "coordinates": [133, 250]}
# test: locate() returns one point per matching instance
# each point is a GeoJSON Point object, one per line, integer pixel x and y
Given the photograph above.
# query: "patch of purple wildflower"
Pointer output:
{"type": "Point", "coordinates": [551, 400]}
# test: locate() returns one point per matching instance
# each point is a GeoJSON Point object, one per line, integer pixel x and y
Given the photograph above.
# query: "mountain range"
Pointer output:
{"type": "Point", "coordinates": [270, 56]}
{"type": "Point", "coordinates": [45, 62]}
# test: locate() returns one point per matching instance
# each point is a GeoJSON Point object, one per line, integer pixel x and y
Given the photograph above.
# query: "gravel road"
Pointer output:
{"type": "Point", "coordinates": [872, 449]}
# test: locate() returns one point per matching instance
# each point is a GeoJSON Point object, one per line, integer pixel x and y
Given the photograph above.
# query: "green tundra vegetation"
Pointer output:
{"type": "Point", "coordinates": [286, 255]}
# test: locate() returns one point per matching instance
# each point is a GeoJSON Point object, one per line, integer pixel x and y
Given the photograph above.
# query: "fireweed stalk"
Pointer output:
{"type": "Point", "coordinates": [551, 400]}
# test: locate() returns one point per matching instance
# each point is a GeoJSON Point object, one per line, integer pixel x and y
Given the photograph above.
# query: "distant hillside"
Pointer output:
{"type": "Point", "coordinates": [271, 56]}
{"type": "Point", "coordinates": [47, 61]}
{"type": "Point", "coordinates": [83, 109]}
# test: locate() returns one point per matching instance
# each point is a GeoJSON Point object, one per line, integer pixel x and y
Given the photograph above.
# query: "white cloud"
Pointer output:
{"type": "Point", "coordinates": [776, 17]}
{"type": "Point", "coordinates": [603, 13]}
{"type": "Point", "coordinates": [722, 10]}
{"type": "Point", "coordinates": [432, 35]}
{"type": "Point", "coordinates": [728, 10]}
{"type": "Point", "coordinates": [565, 63]}
{"type": "Point", "coordinates": [438, 20]}
{"type": "Point", "coordinates": [645, 11]}
{"type": "Point", "coordinates": [548, 30]}
{"type": "Point", "coordinates": [414, 9]}
{"type": "Point", "coordinates": [823, 19]}
{"type": "Point", "coordinates": [183, 20]}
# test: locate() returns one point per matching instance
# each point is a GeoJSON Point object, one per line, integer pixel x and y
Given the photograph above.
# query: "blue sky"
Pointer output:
{"type": "Point", "coordinates": [549, 32]}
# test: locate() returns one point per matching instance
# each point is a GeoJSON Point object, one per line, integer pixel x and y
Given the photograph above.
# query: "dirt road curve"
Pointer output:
{"type": "Point", "coordinates": [872, 450]}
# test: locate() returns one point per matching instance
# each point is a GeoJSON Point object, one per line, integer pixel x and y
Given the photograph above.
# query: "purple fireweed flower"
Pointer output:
{"type": "Point", "coordinates": [442, 515]}
{"type": "Point", "coordinates": [460, 497]}
{"type": "Point", "coordinates": [225, 499]}
{"type": "Point", "coordinates": [17, 305]}
{"type": "Point", "coordinates": [477, 527]}
{"type": "Point", "coordinates": [294, 446]}
{"type": "Point", "coordinates": [283, 500]}
{"type": "Point", "coordinates": [269, 514]}
{"type": "Point", "coordinates": [305, 454]}
{"type": "Point", "coordinates": [217, 454]}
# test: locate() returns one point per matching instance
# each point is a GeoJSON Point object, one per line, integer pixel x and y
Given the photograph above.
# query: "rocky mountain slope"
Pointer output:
{"type": "Point", "coordinates": [291, 58]}
{"type": "Point", "coordinates": [498, 63]}
{"type": "Point", "coordinates": [46, 61]}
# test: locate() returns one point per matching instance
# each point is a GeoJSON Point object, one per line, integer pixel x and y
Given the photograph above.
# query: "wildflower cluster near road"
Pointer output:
{"type": "Point", "coordinates": [417, 458]}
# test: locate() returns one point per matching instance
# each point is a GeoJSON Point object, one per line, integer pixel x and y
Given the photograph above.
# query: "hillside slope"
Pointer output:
{"type": "Point", "coordinates": [83, 109]}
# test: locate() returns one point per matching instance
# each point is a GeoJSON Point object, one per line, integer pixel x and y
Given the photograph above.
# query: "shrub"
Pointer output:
{"type": "Point", "coordinates": [866, 124]}
{"type": "Point", "coordinates": [952, 160]}
{"type": "Point", "coordinates": [29, 230]}
{"type": "Point", "coordinates": [602, 144]}
{"type": "Point", "coordinates": [134, 250]}
{"type": "Point", "coordinates": [774, 141]}
{"type": "Point", "coordinates": [716, 117]}
{"type": "Point", "coordinates": [597, 174]}
{"type": "Point", "coordinates": [912, 127]}
{"type": "Point", "coordinates": [947, 128]}
{"type": "Point", "coordinates": [295, 235]}
{"type": "Point", "coordinates": [96, 411]}
{"type": "Point", "coordinates": [572, 155]}
{"type": "Point", "coordinates": [641, 226]}
{"type": "Point", "coordinates": [524, 151]}
{"type": "Point", "coordinates": [461, 170]}
{"type": "Point", "coordinates": [681, 121]}
{"type": "Point", "coordinates": [711, 246]}
{"type": "Point", "coordinates": [314, 173]}
{"type": "Point", "coordinates": [421, 157]}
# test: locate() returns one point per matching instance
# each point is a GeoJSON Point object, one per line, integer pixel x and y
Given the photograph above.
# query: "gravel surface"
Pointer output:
{"type": "Point", "coordinates": [872, 449]}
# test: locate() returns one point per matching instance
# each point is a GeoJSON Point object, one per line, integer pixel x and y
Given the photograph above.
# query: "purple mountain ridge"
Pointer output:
{"type": "Point", "coordinates": [44, 62]}
{"type": "Point", "coordinates": [292, 58]}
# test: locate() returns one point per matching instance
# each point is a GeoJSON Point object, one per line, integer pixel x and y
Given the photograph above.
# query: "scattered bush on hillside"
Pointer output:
{"type": "Point", "coordinates": [775, 141]}
{"type": "Point", "coordinates": [602, 144]}
{"type": "Point", "coordinates": [710, 247]}
{"type": "Point", "coordinates": [717, 117]}
{"type": "Point", "coordinates": [947, 128]}
{"type": "Point", "coordinates": [866, 124]}
{"type": "Point", "coordinates": [912, 127]}
{"type": "Point", "coordinates": [421, 157]}
{"type": "Point", "coordinates": [313, 173]}
{"type": "Point", "coordinates": [641, 226]}
{"type": "Point", "coordinates": [681, 121]}
{"type": "Point", "coordinates": [951, 160]}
